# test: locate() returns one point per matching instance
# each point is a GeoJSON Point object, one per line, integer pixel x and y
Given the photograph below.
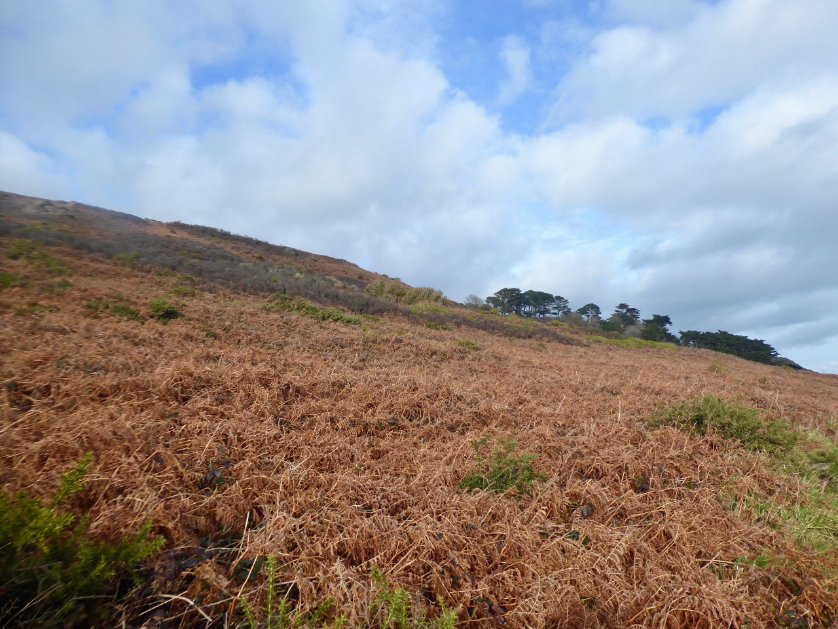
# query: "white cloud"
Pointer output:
{"type": "Point", "coordinates": [723, 52]}
{"type": "Point", "coordinates": [515, 55]}
{"type": "Point", "coordinates": [24, 168]}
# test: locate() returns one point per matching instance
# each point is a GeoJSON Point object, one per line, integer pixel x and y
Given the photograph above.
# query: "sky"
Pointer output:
{"type": "Point", "coordinates": [677, 155]}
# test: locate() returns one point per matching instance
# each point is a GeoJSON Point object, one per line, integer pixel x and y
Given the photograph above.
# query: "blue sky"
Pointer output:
{"type": "Point", "coordinates": [678, 155]}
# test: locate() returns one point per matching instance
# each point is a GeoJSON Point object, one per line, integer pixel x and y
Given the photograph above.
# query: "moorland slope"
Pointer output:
{"type": "Point", "coordinates": [251, 401]}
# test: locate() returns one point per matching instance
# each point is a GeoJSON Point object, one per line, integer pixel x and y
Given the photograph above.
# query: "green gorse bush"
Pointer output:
{"type": "Point", "coordinates": [52, 572]}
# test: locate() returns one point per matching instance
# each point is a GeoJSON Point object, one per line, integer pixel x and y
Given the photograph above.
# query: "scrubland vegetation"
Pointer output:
{"type": "Point", "coordinates": [185, 441]}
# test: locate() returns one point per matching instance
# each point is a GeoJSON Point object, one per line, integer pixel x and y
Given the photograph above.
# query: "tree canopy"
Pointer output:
{"type": "Point", "coordinates": [721, 341]}
{"type": "Point", "coordinates": [626, 320]}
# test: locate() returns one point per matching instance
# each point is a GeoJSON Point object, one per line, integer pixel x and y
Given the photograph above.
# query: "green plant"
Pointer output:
{"type": "Point", "coordinates": [282, 615]}
{"type": "Point", "coordinates": [59, 287]}
{"type": "Point", "coordinates": [812, 521]}
{"type": "Point", "coordinates": [632, 343]}
{"type": "Point", "coordinates": [163, 310]}
{"type": "Point", "coordinates": [468, 345]}
{"type": "Point", "coordinates": [725, 570]}
{"type": "Point", "coordinates": [392, 609]}
{"type": "Point", "coordinates": [22, 249]}
{"type": "Point", "coordinates": [52, 572]}
{"type": "Point", "coordinates": [32, 253]}
{"type": "Point", "coordinates": [730, 420]}
{"type": "Point", "coordinates": [308, 309]}
{"type": "Point", "coordinates": [428, 307]}
{"type": "Point", "coordinates": [34, 308]}
{"type": "Point", "coordinates": [127, 259]}
{"type": "Point", "coordinates": [183, 291]}
{"type": "Point", "coordinates": [502, 470]}
{"type": "Point", "coordinates": [115, 307]}
{"type": "Point", "coordinates": [8, 280]}
{"type": "Point", "coordinates": [715, 367]}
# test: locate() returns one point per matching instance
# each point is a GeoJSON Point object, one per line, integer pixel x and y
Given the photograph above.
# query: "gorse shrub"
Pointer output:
{"type": "Point", "coordinates": [52, 572]}
{"type": "Point", "coordinates": [33, 253]}
{"type": "Point", "coordinates": [810, 516]}
{"type": "Point", "coordinates": [399, 293]}
{"type": "Point", "coordinates": [393, 609]}
{"type": "Point", "coordinates": [116, 307]}
{"type": "Point", "coordinates": [731, 420]}
{"type": "Point", "coordinates": [502, 470]}
{"type": "Point", "coordinates": [632, 343]}
{"type": "Point", "coordinates": [281, 615]}
{"type": "Point", "coordinates": [307, 309]}
{"type": "Point", "coordinates": [35, 308]}
{"type": "Point", "coordinates": [163, 310]}
{"type": "Point", "coordinates": [8, 280]}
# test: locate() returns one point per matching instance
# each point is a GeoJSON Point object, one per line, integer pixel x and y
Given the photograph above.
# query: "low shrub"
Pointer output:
{"type": "Point", "coordinates": [117, 308]}
{"type": "Point", "coordinates": [632, 343]}
{"type": "Point", "coordinates": [52, 572]}
{"type": "Point", "coordinates": [35, 308]}
{"type": "Point", "coordinates": [392, 609]}
{"type": "Point", "coordinates": [468, 345]}
{"type": "Point", "coordinates": [8, 280]}
{"type": "Point", "coordinates": [163, 310]}
{"type": "Point", "coordinates": [730, 420]}
{"type": "Point", "coordinates": [502, 470]}
{"type": "Point", "coordinates": [183, 291]}
{"type": "Point", "coordinates": [32, 253]}
{"type": "Point", "coordinates": [308, 309]}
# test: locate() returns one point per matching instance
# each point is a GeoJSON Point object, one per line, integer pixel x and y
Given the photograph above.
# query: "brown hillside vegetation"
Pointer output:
{"type": "Point", "coordinates": [337, 444]}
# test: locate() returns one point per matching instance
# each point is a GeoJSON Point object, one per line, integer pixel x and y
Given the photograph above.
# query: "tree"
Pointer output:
{"type": "Point", "coordinates": [507, 301]}
{"type": "Point", "coordinates": [626, 315]}
{"type": "Point", "coordinates": [474, 301]}
{"type": "Point", "coordinates": [537, 303]}
{"type": "Point", "coordinates": [611, 324]}
{"type": "Point", "coordinates": [657, 329]}
{"type": "Point", "coordinates": [738, 345]}
{"type": "Point", "coordinates": [560, 306]}
{"type": "Point", "coordinates": [589, 311]}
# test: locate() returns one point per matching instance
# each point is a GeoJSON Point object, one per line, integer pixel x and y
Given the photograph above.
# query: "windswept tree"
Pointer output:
{"type": "Point", "coordinates": [589, 312]}
{"type": "Point", "coordinates": [738, 345]}
{"type": "Point", "coordinates": [626, 315]}
{"type": "Point", "coordinates": [560, 306]}
{"type": "Point", "coordinates": [537, 303]}
{"type": "Point", "coordinates": [657, 329]}
{"type": "Point", "coordinates": [507, 301]}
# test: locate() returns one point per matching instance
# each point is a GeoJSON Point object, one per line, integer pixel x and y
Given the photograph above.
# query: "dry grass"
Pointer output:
{"type": "Point", "coordinates": [241, 433]}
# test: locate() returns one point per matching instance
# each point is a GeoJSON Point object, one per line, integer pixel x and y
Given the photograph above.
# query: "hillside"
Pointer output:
{"type": "Point", "coordinates": [251, 402]}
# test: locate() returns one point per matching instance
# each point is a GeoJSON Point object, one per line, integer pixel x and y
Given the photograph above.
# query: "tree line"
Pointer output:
{"type": "Point", "coordinates": [624, 320]}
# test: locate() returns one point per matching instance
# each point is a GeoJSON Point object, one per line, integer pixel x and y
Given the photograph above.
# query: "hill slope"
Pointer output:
{"type": "Point", "coordinates": [336, 441]}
